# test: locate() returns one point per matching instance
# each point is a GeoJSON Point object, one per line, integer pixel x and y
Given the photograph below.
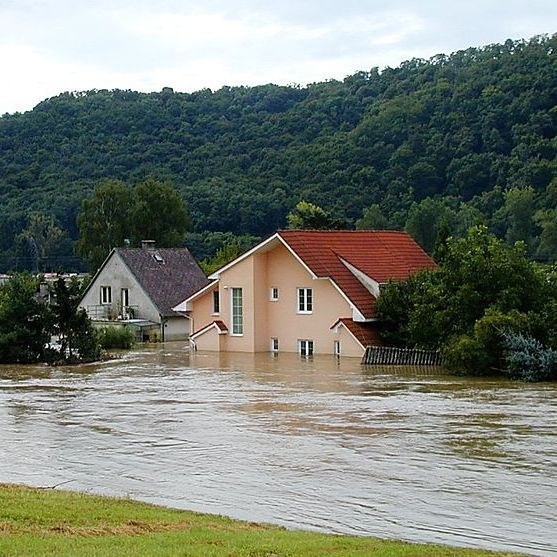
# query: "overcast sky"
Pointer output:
{"type": "Point", "coordinates": [47, 47]}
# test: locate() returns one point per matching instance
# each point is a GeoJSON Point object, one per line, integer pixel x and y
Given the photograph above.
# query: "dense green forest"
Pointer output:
{"type": "Point", "coordinates": [432, 145]}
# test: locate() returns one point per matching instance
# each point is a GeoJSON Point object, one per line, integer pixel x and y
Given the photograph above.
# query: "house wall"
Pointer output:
{"type": "Point", "coordinates": [264, 319]}
{"type": "Point", "coordinates": [210, 341]}
{"type": "Point", "coordinates": [349, 346]}
{"type": "Point", "coordinates": [116, 274]}
{"type": "Point", "coordinates": [176, 328]}
{"type": "Point", "coordinates": [283, 320]}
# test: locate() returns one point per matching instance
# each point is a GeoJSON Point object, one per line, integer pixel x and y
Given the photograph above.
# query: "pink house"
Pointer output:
{"type": "Point", "coordinates": [305, 291]}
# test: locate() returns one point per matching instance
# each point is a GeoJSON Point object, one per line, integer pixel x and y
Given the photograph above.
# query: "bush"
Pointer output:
{"type": "Point", "coordinates": [466, 355]}
{"type": "Point", "coordinates": [528, 359]}
{"type": "Point", "coordinates": [116, 337]}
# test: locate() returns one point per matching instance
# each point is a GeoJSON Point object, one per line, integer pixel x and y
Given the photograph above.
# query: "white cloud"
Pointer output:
{"type": "Point", "coordinates": [49, 46]}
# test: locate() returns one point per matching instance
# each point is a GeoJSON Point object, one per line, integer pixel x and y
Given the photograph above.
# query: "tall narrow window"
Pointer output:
{"type": "Point", "coordinates": [274, 294]}
{"type": "Point", "coordinates": [337, 348]}
{"type": "Point", "coordinates": [305, 300]}
{"type": "Point", "coordinates": [216, 301]}
{"type": "Point", "coordinates": [237, 312]}
{"type": "Point", "coordinates": [125, 297]}
{"type": "Point", "coordinates": [274, 344]}
{"type": "Point", "coordinates": [106, 295]}
{"type": "Point", "coordinates": [305, 348]}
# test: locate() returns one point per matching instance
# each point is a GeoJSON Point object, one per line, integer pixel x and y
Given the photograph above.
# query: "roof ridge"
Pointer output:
{"type": "Point", "coordinates": [341, 231]}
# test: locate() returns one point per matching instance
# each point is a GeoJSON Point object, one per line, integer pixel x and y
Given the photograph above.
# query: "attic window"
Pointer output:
{"type": "Point", "coordinates": [158, 257]}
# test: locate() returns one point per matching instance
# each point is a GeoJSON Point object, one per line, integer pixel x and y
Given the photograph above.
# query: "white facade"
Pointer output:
{"type": "Point", "coordinates": [115, 294]}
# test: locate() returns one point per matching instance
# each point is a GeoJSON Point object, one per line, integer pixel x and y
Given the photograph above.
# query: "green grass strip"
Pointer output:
{"type": "Point", "coordinates": [36, 522]}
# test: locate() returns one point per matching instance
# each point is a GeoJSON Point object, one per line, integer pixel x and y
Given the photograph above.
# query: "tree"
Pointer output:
{"type": "Point", "coordinates": [426, 219]}
{"type": "Point", "coordinates": [546, 219]}
{"type": "Point", "coordinates": [373, 219]}
{"type": "Point", "coordinates": [104, 221]}
{"type": "Point", "coordinates": [115, 213]}
{"type": "Point", "coordinates": [230, 251]}
{"type": "Point", "coordinates": [158, 213]}
{"type": "Point", "coordinates": [77, 337]}
{"type": "Point", "coordinates": [518, 215]}
{"type": "Point", "coordinates": [309, 216]}
{"type": "Point", "coordinates": [25, 322]}
{"type": "Point", "coordinates": [482, 289]}
{"type": "Point", "coordinates": [44, 239]}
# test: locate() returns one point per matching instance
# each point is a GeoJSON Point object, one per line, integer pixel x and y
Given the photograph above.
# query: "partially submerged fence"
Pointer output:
{"type": "Point", "coordinates": [387, 355]}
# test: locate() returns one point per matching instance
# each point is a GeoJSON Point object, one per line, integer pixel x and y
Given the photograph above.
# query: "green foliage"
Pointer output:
{"type": "Point", "coordinates": [115, 213]}
{"type": "Point", "coordinates": [465, 354]}
{"type": "Point", "coordinates": [469, 126]}
{"type": "Point", "coordinates": [24, 321]}
{"type": "Point", "coordinates": [309, 216]}
{"type": "Point", "coordinates": [116, 337]}
{"type": "Point", "coordinates": [77, 337]}
{"type": "Point", "coordinates": [43, 240]}
{"type": "Point", "coordinates": [482, 290]}
{"type": "Point", "coordinates": [528, 359]}
{"type": "Point", "coordinates": [158, 213]}
{"type": "Point", "coordinates": [205, 245]}
{"type": "Point", "coordinates": [373, 218]}
{"type": "Point", "coordinates": [224, 255]}
{"type": "Point", "coordinates": [27, 323]}
{"type": "Point", "coordinates": [104, 221]}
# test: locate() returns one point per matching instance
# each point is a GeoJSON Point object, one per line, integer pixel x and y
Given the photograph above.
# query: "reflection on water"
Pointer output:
{"type": "Point", "coordinates": [318, 444]}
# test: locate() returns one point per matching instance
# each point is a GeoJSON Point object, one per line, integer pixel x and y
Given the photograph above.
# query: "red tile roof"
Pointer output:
{"type": "Point", "coordinates": [379, 254]}
{"type": "Point", "coordinates": [221, 327]}
{"type": "Point", "coordinates": [366, 333]}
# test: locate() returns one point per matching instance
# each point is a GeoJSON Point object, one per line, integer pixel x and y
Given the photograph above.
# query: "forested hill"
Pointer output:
{"type": "Point", "coordinates": [466, 125]}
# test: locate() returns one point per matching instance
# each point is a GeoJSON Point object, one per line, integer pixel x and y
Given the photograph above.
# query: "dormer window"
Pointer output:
{"type": "Point", "coordinates": [158, 257]}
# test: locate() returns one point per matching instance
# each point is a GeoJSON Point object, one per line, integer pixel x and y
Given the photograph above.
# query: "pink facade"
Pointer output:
{"type": "Point", "coordinates": [267, 320]}
{"type": "Point", "coordinates": [281, 298]}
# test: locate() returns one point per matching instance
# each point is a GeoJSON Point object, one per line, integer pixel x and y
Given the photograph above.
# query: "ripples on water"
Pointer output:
{"type": "Point", "coordinates": [318, 444]}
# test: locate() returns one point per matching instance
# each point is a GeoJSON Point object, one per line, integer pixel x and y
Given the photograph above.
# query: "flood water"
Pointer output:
{"type": "Point", "coordinates": [318, 444]}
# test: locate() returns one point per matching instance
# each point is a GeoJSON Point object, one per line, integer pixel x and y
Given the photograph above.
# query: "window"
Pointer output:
{"type": "Point", "coordinates": [125, 297]}
{"type": "Point", "coordinates": [305, 348]}
{"type": "Point", "coordinates": [106, 295]}
{"type": "Point", "coordinates": [305, 300]}
{"type": "Point", "coordinates": [216, 301]}
{"type": "Point", "coordinates": [274, 344]}
{"type": "Point", "coordinates": [237, 312]}
{"type": "Point", "coordinates": [337, 348]}
{"type": "Point", "coordinates": [274, 295]}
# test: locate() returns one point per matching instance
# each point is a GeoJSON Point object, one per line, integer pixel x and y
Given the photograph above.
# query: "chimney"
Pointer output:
{"type": "Point", "coordinates": [148, 244]}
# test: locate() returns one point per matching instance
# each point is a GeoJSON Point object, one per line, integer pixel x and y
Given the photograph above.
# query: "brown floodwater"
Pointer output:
{"type": "Point", "coordinates": [324, 445]}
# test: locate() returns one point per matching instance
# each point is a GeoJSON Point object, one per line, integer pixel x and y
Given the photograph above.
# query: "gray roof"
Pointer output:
{"type": "Point", "coordinates": [168, 275]}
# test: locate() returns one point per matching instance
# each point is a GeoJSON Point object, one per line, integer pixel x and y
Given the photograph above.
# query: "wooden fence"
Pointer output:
{"type": "Point", "coordinates": [387, 355]}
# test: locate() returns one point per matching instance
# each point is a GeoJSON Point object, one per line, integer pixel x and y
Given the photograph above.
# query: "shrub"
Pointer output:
{"type": "Point", "coordinates": [116, 337]}
{"type": "Point", "coordinates": [465, 354]}
{"type": "Point", "coordinates": [528, 359]}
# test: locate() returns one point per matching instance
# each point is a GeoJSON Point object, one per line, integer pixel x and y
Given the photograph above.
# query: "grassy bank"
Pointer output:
{"type": "Point", "coordinates": [46, 522]}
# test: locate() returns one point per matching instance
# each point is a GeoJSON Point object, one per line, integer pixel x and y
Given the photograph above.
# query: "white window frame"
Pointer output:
{"type": "Point", "coordinates": [216, 298]}
{"type": "Point", "coordinates": [336, 348]}
{"type": "Point", "coordinates": [125, 296]}
{"type": "Point", "coordinates": [305, 347]}
{"type": "Point", "coordinates": [274, 294]}
{"type": "Point", "coordinates": [274, 345]}
{"type": "Point", "coordinates": [106, 295]}
{"type": "Point", "coordinates": [237, 327]}
{"type": "Point", "coordinates": [304, 298]}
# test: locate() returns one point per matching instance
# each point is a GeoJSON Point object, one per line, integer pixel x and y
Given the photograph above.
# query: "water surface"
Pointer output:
{"type": "Point", "coordinates": [318, 444]}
